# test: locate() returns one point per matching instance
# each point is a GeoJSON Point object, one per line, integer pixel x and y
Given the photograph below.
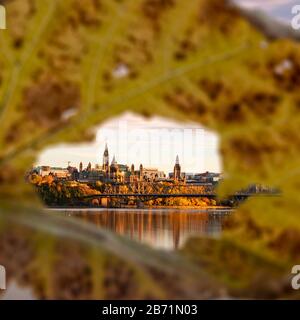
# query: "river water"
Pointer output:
{"type": "Point", "coordinates": [160, 228]}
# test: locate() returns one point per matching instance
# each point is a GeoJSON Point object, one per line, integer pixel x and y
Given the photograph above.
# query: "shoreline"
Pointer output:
{"type": "Point", "coordinates": [137, 208]}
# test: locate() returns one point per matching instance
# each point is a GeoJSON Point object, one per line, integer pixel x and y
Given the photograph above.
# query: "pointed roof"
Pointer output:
{"type": "Point", "coordinates": [106, 150]}
{"type": "Point", "coordinates": [177, 159]}
{"type": "Point", "coordinates": [114, 162]}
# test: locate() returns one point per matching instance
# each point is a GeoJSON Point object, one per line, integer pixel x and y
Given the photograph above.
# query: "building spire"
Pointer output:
{"type": "Point", "coordinates": [114, 160]}
{"type": "Point", "coordinates": [106, 151]}
{"type": "Point", "coordinates": [105, 165]}
{"type": "Point", "coordinates": [177, 170]}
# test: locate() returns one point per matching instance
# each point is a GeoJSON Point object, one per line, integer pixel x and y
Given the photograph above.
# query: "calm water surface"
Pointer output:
{"type": "Point", "coordinates": [159, 228]}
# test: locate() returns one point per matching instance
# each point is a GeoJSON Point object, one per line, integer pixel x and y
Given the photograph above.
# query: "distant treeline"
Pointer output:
{"type": "Point", "coordinates": [68, 193]}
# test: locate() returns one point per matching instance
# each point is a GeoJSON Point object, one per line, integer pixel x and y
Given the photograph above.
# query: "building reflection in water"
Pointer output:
{"type": "Point", "coordinates": [163, 229]}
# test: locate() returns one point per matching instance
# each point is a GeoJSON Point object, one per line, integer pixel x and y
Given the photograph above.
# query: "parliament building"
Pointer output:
{"type": "Point", "coordinates": [114, 172]}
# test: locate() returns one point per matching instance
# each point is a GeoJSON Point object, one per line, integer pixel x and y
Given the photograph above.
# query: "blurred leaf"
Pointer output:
{"type": "Point", "coordinates": [198, 60]}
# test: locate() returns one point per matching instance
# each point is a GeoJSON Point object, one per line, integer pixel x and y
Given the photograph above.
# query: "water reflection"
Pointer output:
{"type": "Point", "coordinates": [52, 258]}
{"type": "Point", "coordinates": [160, 228]}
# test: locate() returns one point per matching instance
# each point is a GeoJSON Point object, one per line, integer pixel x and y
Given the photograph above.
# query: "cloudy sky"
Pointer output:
{"type": "Point", "coordinates": [278, 8]}
{"type": "Point", "coordinates": [157, 141]}
{"type": "Point", "coordinates": [153, 142]}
